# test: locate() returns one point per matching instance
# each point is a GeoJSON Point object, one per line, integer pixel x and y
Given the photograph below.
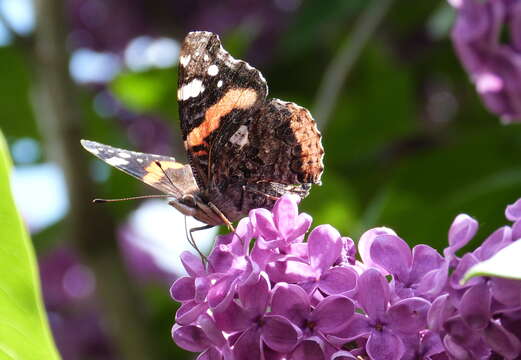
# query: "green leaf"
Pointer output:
{"type": "Point", "coordinates": [505, 264]}
{"type": "Point", "coordinates": [24, 331]}
{"type": "Point", "coordinates": [145, 91]}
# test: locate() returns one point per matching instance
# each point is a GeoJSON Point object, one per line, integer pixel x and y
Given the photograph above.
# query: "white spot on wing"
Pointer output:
{"type": "Point", "coordinates": [213, 70]}
{"type": "Point", "coordinates": [240, 137]}
{"type": "Point", "coordinates": [116, 161]}
{"type": "Point", "coordinates": [192, 89]}
{"type": "Point", "coordinates": [206, 58]}
{"type": "Point", "coordinates": [139, 160]}
{"type": "Point", "coordinates": [94, 150]}
{"type": "Point", "coordinates": [219, 83]}
{"type": "Point", "coordinates": [184, 60]}
{"type": "Point", "coordinates": [124, 155]}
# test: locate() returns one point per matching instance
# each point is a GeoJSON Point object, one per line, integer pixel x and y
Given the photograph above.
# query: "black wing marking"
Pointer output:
{"type": "Point", "coordinates": [148, 168]}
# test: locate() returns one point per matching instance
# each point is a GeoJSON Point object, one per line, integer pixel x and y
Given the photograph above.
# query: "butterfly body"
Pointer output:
{"type": "Point", "coordinates": [244, 150]}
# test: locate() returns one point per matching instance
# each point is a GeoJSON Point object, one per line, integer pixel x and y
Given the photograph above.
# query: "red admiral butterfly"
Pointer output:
{"type": "Point", "coordinates": [245, 151]}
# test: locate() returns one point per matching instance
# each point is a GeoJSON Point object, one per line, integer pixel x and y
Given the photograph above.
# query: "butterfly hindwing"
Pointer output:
{"type": "Point", "coordinates": [148, 168]}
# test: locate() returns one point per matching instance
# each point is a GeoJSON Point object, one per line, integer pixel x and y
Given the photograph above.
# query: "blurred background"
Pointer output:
{"type": "Point", "coordinates": [408, 143]}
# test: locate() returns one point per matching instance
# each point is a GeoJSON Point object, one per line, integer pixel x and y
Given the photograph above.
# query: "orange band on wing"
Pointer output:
{"type": "Point", "coordinates": [233, 99]}
{"type": "Point", "coordinates": [155, 174]}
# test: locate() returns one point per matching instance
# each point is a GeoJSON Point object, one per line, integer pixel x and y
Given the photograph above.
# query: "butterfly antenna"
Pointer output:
{"type": "Point", "coordinates": [158, 163]}
{"type": "Point", "coordinates": [101, 201]}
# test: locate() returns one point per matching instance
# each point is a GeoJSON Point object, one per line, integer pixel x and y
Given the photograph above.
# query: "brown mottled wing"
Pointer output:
{"type": "Point", "coordinates": [145, 168]}
{"type": "Point", "coordinates": [276, 152]}
{"type": "Point", "coordinates": [215, 92]}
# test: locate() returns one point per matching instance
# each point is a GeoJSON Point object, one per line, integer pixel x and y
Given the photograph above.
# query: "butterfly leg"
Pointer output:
{"type": "Point", "coordinates": [255, 191]}
{"type": "Point", "coordinates": [219, 213]}
{"type": "Point", "coordinates": [194, 244]}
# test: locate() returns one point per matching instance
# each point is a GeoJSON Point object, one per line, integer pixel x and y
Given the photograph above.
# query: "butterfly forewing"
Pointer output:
{"type": "Point", "coordinates": [158, 171]}
{"type": "Point", "coordinates": [216, 93]}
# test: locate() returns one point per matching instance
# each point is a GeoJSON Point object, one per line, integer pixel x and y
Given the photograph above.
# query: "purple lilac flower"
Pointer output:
{"type": "Point", "coordinates": [493, 64]}
{"type": "Point", "coordinates": [268, 292]}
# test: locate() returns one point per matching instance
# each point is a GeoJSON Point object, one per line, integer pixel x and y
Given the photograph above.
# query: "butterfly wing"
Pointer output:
{"type": "Point", "coordinates": [160, 172]}
{"type": "Point", "coordinates": [275, 153]}
{"type": "Point", "coordinates": [216, 93]}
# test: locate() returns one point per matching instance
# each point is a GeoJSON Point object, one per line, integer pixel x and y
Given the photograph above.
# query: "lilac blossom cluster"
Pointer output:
{"type": "Point", "coordinates": [487, 39]}
{"type": "Point", "coordinates": [283, 297]}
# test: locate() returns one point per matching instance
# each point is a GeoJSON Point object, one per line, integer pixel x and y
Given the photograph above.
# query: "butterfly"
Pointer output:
{"type": "Point", "coordinates": [245, 151]}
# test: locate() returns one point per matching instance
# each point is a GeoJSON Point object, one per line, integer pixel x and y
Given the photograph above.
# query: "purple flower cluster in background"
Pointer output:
{"type": "Point", "coordinates": [284, 297]}
{"type": "Point", "coordinates": [487, 38]}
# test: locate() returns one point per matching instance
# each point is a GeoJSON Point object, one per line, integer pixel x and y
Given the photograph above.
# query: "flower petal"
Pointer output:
{"type": "Point", "coordinates": [357, 327]}
{"type": "Point", "coordinates": [279, 333]}
{"type": "Point", "coordinates": [409, 316]}
{"type": "Point", "coordinates": [324, 245]}
{"type": "Point", "coordinates": [439, 312]}
{"type": "Point", "coordinates": [393, 254]}
{"type": "Point", "coordinates": [191, 338]}
{"type": "Point", "coordinates": [262, 221]}
{"type": "Point", "coordinates": [222, 292]}
{"type": "Point", "coordinates": [463, 229]}
{"type": "Point", "coordinates": [302, 224]}
{"type": "Point", "coordinates": [309, 349]}
{"type": "Point", "coordinates": [210, 354]}
{"type": "Point", "coordinates": [502, 341]}
{"type": "Point", "coordinates": [384, 345]}
{"type": "Point", "coordinates": [475, 306]}
{"type": "Point", "coordinates": [285, 212]}
{"type": "Point", "coordinates": [192, 263]}
{"type": "Point", "coordinates": [424, 259]}
{"type": "Point", "coordinates": [290, 301]}
{"type": "Point", "coordinates": [431, 343]}
{"type": "Point", "coordinates": [495, 242]}
{"type": "Point", "coordinates": [506, 291]}
{"type": "Point", "coordinates": [343, 355]}
{"type": "Point", "coordinates": [513, 211]}
{"type": "Point", "coordinates": [432, 284]}
{"type": "Point", "coordinates": [254, 297]}
{"type": "Point", "coordinates": [233, 318]}
{"type": "Point", "coordinates": [209, 327]}
{"type": "Point", "coordinates": [332, 313]}
{"type": "Point", "coordinates": [248, 346]}
{"type": "Point", "coordinates": [339, 280]}
{"type": "Point", "coordinates": [373, 293]}
{"type": "Point", "coordinates": [365, 243]}
{"type": "Point", "coordinates": [455, 349]}
{"type": "Point", "coordinates": [467, 261]}
{"type": "Point", "coordinates": [183, 289]}
{"type": "Point", "coordinates": [189, 312]}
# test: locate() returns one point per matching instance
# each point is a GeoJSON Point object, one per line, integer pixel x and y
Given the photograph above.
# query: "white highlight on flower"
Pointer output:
{"type": "Point", "coordinates": [116, 161]}
{"type": "Point", "coordinates": [456, 3]}
{"type": "Point", "coordinates": [192, 89]}
{"type": "Point", "coordinates": [488, 82]}
{"type": "Point", "coordinates": [213, 70]}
